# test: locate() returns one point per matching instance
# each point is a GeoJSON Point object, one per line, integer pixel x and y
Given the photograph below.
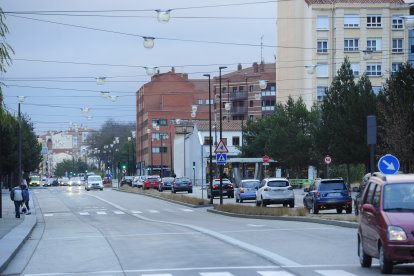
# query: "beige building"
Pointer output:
{"type": "Point", "coordinates": [314, 37]}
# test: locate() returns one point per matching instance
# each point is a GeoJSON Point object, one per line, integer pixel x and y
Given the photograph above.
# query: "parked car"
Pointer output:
{"type": "Point", "coordinates": [359, 190]}
{"type": "Point", "coordinates": [246, 190]}
{"type": "Point", "coordinates": [166, 183]}
{"type": "Point", "coordinates": [325, 194]}
{"type": "Point", "coordinates": [138, 181]}
{"type": "Point", "coordinates": [75, 181]}
{"type": "Point", "coordinates": [94, 182]}
{"type": "Point", "coordinates": [386, 224]}
{"type": "Point", "coordinates": [107, 180]}
{"type": "Point", "coordinates": [55, 182]}
{"type": "Point", "coordinates": [275, 191]}
{"type": "Point", "coordinates": [182, 184]}
{"type": "Point", "coordinates": [127, 180]}
{"type": "Point", "coordinates": [152, 181]}
{"type": "Point", "coordinates": [228, 188]}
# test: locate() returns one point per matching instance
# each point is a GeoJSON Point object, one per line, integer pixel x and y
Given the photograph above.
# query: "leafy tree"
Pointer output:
{"type": "Point", "coordinates": [343, 117]}
{"type": "Point", "coordinates": [396, 116]}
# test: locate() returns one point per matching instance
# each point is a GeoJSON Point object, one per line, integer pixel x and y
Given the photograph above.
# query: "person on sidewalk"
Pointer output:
{"type": "Point", "coordinates": [16, 194]}
{"type": "Point", "coordinates": [26, 197]}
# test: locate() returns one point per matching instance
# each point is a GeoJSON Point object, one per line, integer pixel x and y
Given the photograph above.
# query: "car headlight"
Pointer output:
{"type": "Point", "coordinates": [395, 233]}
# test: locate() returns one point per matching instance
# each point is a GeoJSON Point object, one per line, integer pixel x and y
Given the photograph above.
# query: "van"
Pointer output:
{"type": "Point", "coordinates": [94, 182]}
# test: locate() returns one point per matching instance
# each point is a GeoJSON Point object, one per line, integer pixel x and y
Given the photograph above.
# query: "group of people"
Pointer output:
{"type": "Point", "coordinates": [20, 196]}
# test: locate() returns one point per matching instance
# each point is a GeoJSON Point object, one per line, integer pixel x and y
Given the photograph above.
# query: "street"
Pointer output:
{"type": "Point", "coordinates": [116, 233]}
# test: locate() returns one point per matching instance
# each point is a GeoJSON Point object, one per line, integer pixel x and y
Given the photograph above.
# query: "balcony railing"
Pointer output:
{"type": "Point", "coordinates": [238, 95]}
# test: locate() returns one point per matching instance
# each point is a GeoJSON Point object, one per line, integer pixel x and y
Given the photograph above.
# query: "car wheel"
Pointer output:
{"type": "Point", "coordinates": [237, 200]}
{"type": "Point", "coordinates": [315, 209]}
{"type": "Point", "coordinates": [292, 204]}
{"type": "Point", "coordinates": [208, 196]}
{"type": "Point", "coordinates": [364, 259]}
{"type": "Point", "coordinates": [356, 208]}
{"type": "Point", "coordinates": [339, 210]}
{"type": "Point", "coordinates": [263, 203]}
{"type": "Point", "coordinates": [285, 205]}
{"type": "Point", "coordinates": [190, 191]}
{"type": "Point", "coordinates": [349, 210]}
{"type": "Point", "coordinates": [257, 203]}
{"type": "Point", "coordinates": [385, 264]}
{"type": "Point", "coordinates": [241, 200]}
{"type": "Point", "coordinates": [101, 189]}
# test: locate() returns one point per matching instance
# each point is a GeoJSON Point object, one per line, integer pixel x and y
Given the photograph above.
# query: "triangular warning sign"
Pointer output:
{"type": "Point", "coordinates": [221, 158]}
{"type": "Point", "coordinates": [221, 148]}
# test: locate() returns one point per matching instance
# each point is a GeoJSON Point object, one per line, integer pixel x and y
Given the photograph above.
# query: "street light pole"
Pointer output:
{"type": "Point", "coordinates": [21, 100]}
{"type": "Point", "coordinates": [210, 138]}
{"type": "Point", "coordinates": [162, 161]}
{"type": "Point", "coordinates": [221, 137]}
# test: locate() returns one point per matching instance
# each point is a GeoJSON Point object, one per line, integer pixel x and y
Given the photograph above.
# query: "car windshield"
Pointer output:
{"type": "Point", "coordinates": [35, 178]}
{"type": "Point", "coordinates": [329, 186]}
{"type": "Point", "coordinates": [94, 178]}
{"type": "Point", "coordinates": [250, 184]}
{"type": "Point", "coordinates": [182, 180]}
{"type": "Point", "coordinates": [398, 197]}
{"type": "Point", "coordinates": [278, 183]}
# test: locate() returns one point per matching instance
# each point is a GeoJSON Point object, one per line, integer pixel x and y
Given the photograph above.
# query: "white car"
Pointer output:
{"type": "Point", "coordinates": [94, 182]}
{"type": "Point", "coordinates": [275, 191]}
{"type": "Point", "coordinates": [75, 181]}
{"type": "Point", "coordinates": [138, 181]}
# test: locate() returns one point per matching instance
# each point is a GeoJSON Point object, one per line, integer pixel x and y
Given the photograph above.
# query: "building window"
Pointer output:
{"type": "Point", "coordinates": [234, 89]}
{"type": "Point", "coordinates": [397, 23]}
{"type": "Point", "coordinates": [250, 88]}
{"type": "Point", "coordinates": [373, 69]}
{"type": "Point", "coordinates": [376, 89]}
{"type": "Point", "coordinates": [160, 122]}
{"type": "Point", "coordinates": [159, 149]}
{"type": "Point", "coordinates": [236, 141]}
{"type": "Point", "coordinates": [374, 21]}
{"type": "Point", "coordinates": [207, 140]}
{"type": "Point", "coordinates": [322, 71]}
{"type": "Point", "coordinates": [355, 69]}
{"type": "Point", "coordinates": [351, 45]}
{"type": "Point", "coordinates": [374, 44]}
{"type": "Point", "coordinates": [397, 45]}
{"type": "Point", "coordinates": [322, 22]}
{"type": "Point", "coordinates": [321, 93]}
{"type": "Point", "coordinates": [200, 101]}
{"type": "Point", "coordinates": [351, 21]}
{"type": "Point", "coordinates": [322, 46]}
{"type": "Point", "coordinates": [241, 89]}
{"type": "Point", "coordinates": [268, 105]}
{"type": "Point", "coordinates": [396, 66]}
{"type": "Point", "coordinates": [251, 117]}
{"type": "Point", "coordinates": [209, 102]}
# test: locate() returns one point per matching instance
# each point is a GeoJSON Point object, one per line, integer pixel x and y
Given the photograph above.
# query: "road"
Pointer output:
{"type": "Point", "coordinates": [115, 233]}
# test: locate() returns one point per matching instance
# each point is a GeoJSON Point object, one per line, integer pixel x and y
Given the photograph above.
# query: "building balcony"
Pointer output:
{"type": "Point", "coordinates": [238, 95]}
{"type": "Point", "coordinates": [238, 110]}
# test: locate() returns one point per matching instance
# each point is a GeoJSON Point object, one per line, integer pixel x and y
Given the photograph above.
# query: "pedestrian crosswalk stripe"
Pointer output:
{"type": "Point", "coordinates": [153, 211]}
{"type": "Point", "coordinates": [334, 273]}
{"type": "Point", "coordinates": [216, 274]}
{"type": "Point", "coordinates": [187, 210]}
{"type": "Point", "coordinates": [275, 273]}
{"type": "Point", "coordinates": [157, 274]}
{"type": "Point", "coordinates": [136, 212]}
{"type": "Point", "coordinates": [48, 215]}
{"type": "Point", "coordinates": [119, 212]}
{"type": "Point", "coordinates": [101, 213]}
{"type": "Point", "coordinates": [84, 213]}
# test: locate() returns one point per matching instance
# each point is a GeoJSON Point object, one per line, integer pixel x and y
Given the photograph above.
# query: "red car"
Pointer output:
{"type": "Point", "coordinates": [386, 226]}
{"type": "Point", "coordinates": [153, 181]}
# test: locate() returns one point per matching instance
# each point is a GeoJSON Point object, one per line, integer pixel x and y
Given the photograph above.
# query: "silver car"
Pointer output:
{"type": "Point", "coordinates": [94, 182]}
{"type": "Point", "coordinates": [275, 191]}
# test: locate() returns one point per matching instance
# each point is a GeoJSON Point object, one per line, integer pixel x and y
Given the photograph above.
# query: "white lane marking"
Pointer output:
{"type": "Point", "coordinates": [136, 212]}
{"type": "Point", "coordinates": [101, 212]}
{"type": "Point", "coordinates": [153, 211]}
{"type": "Point", "coordinates": [334, 273]}
{"type": "Point", "coordinates": [268, 255]}
{"type": "Point", "coordinates": [255, 225]}
{"type": "Point", "coordinates": [84, 213]}
{"type": "Point", "coordinates": [275, 273]}
{"type": "Point", "coordinates": [216, 274]}
{"type": "Point", "coordinates": [157, 274]}
{"type": "Point", "coordinates": [119, 212]}
{"type": "Point", "coordinates": [48, 215]}
{"type": "Point", "coordinates": [187, 210]}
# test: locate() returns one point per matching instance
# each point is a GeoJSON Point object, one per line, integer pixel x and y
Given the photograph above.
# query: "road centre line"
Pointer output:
{"type": "Point", "coordinates": [274, 229]}
{"type": "Point", "coordinates": [268, 255]}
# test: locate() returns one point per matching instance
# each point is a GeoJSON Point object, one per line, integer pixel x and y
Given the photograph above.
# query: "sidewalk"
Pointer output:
{"type": "Point", "coordinates": [13, 231]}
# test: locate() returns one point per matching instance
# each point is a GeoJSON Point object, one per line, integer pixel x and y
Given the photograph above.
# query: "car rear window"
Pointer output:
{"type": "Point", "coordinates": [250, 184]}
{"type": "Point", "coordinates": [182, 180]}
{"type": "Point", "coordinates": [225, 181]}
{"type": "Point", "coordinates": [278, 184]}
{"type": "Point", "coordinates": [329, 186]}
{"type": "Point", "coordinates": [94, 178]}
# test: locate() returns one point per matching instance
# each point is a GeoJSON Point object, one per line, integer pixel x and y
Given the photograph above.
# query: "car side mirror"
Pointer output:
{"type": "Point", "coordinates": [368, 208]}
{"type": "Point", "coordinates": [257, 188]}
{"type": "Point", "coordinates": [356, 189]}
{"type": "Point", "coordinates": [306, 190]}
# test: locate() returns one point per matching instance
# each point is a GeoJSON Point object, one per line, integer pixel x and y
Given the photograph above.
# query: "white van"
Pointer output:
{"type": "Point", "coordinates": [94, 182]}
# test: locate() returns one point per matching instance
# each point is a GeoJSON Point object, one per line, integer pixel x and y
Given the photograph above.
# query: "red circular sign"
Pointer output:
{"type": "Point", "coordinates": [266, 159]}
{"type": "Point", "coordinates": [327, 160]}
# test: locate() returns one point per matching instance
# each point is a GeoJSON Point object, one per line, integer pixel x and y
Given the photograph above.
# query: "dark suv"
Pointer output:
{"type": "Point", "coordinates": [326, 194]}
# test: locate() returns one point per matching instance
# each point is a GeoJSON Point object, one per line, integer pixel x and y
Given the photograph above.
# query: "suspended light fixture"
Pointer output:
{"type": "Point", "coordinates": [163, 16]}
{"type": "Point", "coordinates": [85, 110]}
{"type": "Point", "coordinates": [113, 98]}
{"type": "Point", "coordinates": [367, 54]}
{"type": "Point", "coordinates": [310, 69]}
{"type": "Point", "coordinates": [150, 70]}
{"type": "Point", "coordinates": [262, 84]}
{"type": "Point", "coordinates": [408, 21]}
{"type": "Point", "coordinates": [148, 42]}
{"type": "Point", "coordinates": [105, 94]}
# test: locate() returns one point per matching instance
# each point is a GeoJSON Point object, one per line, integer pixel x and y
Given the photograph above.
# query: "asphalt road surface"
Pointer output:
{"type": "Point", "coordinates": [115, 233]}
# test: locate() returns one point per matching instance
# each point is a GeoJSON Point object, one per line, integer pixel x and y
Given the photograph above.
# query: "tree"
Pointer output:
{"type": "Point", "coordinates": [396, 116]}
{"type": "Point", "coordinates": [343, 117]}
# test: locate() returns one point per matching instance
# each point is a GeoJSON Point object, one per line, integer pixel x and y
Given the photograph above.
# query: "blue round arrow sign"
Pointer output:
{"type": "Point", "coordinates": [388, 164]}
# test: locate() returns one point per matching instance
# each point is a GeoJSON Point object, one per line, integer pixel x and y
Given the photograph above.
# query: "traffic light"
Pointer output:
{"type": "Point", "coordinates": [123, 166]}
{"type": "Point", "coordinates": [193, 165]}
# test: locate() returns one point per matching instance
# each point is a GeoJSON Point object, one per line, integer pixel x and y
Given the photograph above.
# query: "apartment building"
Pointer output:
{"type": "Point", "coordinates": [314, 37]}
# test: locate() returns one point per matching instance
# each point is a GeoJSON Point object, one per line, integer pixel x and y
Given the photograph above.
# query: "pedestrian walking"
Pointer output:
{"type": "Point", "coordinates": [16, 194]}
{"type": "Point", "coordinates": [26, 198]}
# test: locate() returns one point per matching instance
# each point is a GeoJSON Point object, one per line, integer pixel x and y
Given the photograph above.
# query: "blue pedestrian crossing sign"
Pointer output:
{"type": "Point", "coordinates": [221, 158]}
{"type": "Point", "coordinates": [388, 164]}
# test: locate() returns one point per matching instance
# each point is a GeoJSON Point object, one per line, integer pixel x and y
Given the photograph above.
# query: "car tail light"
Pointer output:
{"type": "Point", "coordinates": [230, 185]}
{"type": "Point", "coordinates": [266, 189]}
{"type": "Point", "coordinates": [215, 186]}
{"type": "Point", "coordinates": [290, 188]}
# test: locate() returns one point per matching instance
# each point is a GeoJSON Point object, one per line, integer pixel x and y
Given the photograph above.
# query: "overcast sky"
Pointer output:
{"type": "Point", "coordinates": [59, 54]}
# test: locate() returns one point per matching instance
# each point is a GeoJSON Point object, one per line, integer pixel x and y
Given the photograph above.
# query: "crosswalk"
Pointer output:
{"type": "Point", "coordinates": [101, 212]}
